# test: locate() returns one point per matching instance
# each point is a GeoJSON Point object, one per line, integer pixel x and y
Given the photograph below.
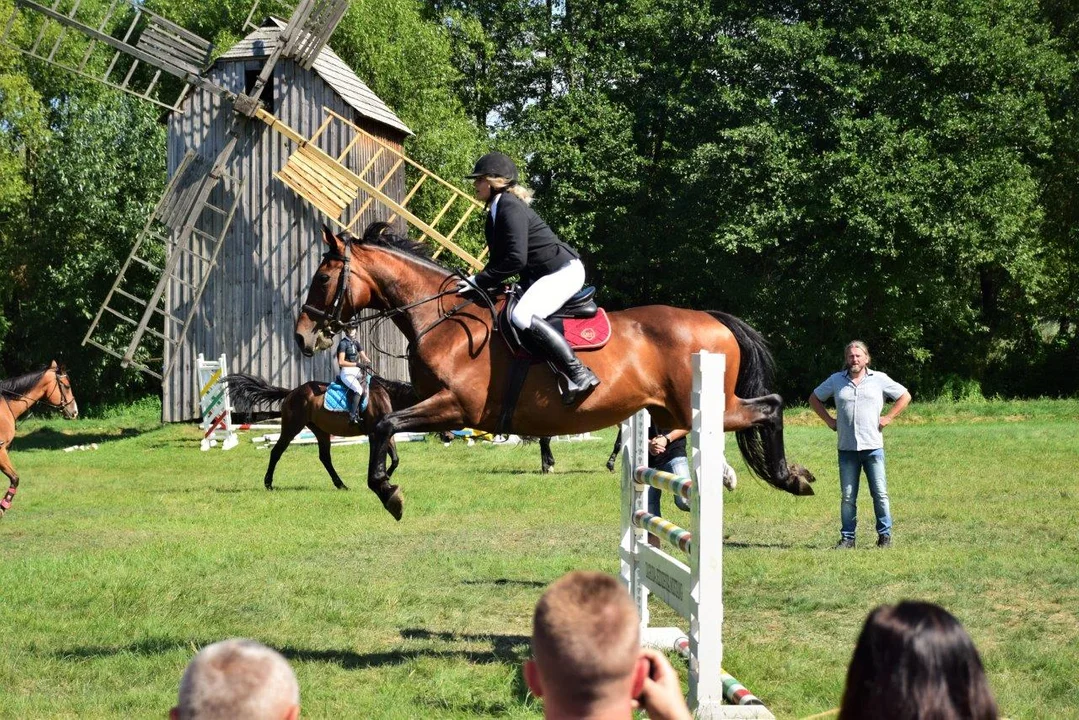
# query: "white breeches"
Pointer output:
{"type": "Point", "coordinates": [548, 294]}
{"type": "Point", "coordinates": [352, 378]}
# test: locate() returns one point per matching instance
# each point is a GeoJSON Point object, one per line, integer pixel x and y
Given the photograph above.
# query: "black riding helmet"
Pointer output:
{"type": "Point", "coordinates": [496, 164]}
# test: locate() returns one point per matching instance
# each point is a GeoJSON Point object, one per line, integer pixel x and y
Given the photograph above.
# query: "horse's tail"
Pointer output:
{"type": "Point", "coordinates": [756, 375]}
{"type": "Point", "coordinates": [247, 391]}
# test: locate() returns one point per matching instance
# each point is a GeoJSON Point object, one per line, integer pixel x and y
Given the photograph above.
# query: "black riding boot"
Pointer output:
{"type": "Point", "coordinates": [580, 379]}
{"type": "Point", "coordinates": [354, 400]}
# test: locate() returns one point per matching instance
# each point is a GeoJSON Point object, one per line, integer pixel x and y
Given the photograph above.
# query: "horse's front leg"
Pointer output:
{"type": "Point", "coordinates": [438, 412]}
{"type": "Point", "coordinates": [394, 460]}
{"type": "Point", "coordinates": [546, 456]}
{"type": "Point", "coordinates": [615, 450]}
{"type": "Point", "coordinates": [13, 479]}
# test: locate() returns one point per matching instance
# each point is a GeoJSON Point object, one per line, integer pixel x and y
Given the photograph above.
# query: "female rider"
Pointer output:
{"type": "Point", "coordinates": [551, 272]}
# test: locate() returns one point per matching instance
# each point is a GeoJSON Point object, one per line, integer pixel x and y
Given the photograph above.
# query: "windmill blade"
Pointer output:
{"type": "Point", "coordinates": [309, 29]}
{"type": "Point", "coordinates": [126, 49]}
{"type": "Point", "coordinates": [175, 252]}
{"type": "Point", "coordinates": [328, 184]}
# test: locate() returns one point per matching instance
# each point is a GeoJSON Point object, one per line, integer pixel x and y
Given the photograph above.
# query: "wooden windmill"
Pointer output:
{"type": "Point", "coordinates": [136, 51]}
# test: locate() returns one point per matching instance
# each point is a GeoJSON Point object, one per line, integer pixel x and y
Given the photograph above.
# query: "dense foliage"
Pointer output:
{"type": "Point", "coordinates": [902, 172]}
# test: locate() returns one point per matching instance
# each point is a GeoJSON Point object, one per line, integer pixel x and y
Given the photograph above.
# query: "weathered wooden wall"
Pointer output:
{"type": "Point", "coordinates": [274, 244]}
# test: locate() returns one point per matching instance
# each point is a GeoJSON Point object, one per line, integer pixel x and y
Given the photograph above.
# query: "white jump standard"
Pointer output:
{"type": "Point", "coordinates": [694, 591]}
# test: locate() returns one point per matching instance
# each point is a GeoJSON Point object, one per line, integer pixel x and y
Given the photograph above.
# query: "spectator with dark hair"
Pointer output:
{"type": "Point", "coordinates": [238, 680]}
{"type": "Point", "coordinates": [914, 661]}
{"type": "Point", "coordinates": [586, 655]}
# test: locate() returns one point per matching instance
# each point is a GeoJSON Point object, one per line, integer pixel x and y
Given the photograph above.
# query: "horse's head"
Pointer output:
{"type": "Point", "coordinates": [337, 293]}
{"type": "Point", "coordinates": [60, 394]}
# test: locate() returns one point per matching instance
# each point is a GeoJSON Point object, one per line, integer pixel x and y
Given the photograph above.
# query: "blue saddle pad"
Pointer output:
{"type": "Point", "coordinates": [336, 399]}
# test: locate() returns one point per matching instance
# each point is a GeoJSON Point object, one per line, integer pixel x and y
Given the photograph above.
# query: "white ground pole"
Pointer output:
{"type": "Point", "coordinates": [694, 591]}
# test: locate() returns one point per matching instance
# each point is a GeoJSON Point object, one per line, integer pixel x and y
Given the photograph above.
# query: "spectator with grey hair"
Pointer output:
{"type": "Point", "coordinates": [859, 395]}
{"type": "Point", "coordinates": [238, 680]}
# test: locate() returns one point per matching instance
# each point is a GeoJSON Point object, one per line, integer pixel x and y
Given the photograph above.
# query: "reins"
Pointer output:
{"type": "Point", "coordinates": [331, 319]}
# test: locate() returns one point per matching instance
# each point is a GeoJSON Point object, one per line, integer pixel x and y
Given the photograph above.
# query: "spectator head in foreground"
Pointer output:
{"type": "Point", "coordinates": [914, 661]}
{"type": "Point", "coordinates": [239, 680]}
{"type": "Point", "coordinates": [586, 655]}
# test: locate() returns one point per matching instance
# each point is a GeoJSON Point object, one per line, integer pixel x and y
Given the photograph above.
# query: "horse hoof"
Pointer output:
{"type": "Point", "coordinates": [803, 472]}
{"type": "Point", "coordinates": [797, 485]}
{"type": "Point", "coordinates": [730, 480]}
{"type": "Point", "coordinates": [269, 486]}
{"type": "Point", "coordinates": [342, 486]}
{"type": "Point", "coordinates": [395, 504]}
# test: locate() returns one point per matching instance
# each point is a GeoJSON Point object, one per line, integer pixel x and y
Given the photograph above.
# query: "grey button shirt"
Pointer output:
{"type": "Point", "coordinates": [858, 407]}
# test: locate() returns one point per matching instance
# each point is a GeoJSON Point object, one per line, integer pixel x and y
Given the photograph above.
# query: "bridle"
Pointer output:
{"type": "Point", "coordinates": [66, 396]}
{"type": "Point", "coordinates": [330, 319]}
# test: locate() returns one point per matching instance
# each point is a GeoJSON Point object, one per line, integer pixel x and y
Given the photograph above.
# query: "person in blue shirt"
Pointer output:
{"type": "Point", "coordinates": [859, 395]}
{"type": "Point", "coordinates": [350, 360]}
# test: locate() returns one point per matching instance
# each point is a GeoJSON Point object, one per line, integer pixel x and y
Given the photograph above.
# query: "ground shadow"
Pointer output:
{"type": "Point", "coordinates": [46, 438]}
{"type": "Point", "coordinates": [145, 647]}
{"type": "Point", "coordinates": [506, 581]}
{"type": "Point", "coordinates": [767, 546]}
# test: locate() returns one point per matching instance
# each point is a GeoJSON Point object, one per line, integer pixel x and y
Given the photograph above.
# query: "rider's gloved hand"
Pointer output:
{"type": "Point", "coordinates": [464, 286]}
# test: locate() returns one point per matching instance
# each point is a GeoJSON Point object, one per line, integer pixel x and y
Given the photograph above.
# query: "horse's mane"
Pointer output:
{"type": "Point", "coordinates": [21, 384]}
{"type": "Point", "coordinates": [402, 394]}
{"type": "Point", "coordinates": [381, 234]}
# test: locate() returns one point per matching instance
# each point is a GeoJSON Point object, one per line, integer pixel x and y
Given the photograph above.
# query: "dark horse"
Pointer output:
{"type": "Point", "coordinates": [459, 366]}
{"type": "Point", "coordinates": [303, 407]}
{"type": "Point", "coordinates": [19, 394]}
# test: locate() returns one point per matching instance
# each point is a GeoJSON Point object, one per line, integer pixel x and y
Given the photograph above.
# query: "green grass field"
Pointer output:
{"type": "Point", "coordinates": [116, 564]}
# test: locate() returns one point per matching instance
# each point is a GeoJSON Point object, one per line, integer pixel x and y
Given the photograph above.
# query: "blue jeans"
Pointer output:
{"type": "Point", "coordinates": [851, 462]}
{"type": "Point", "coordinates": [676, 466]}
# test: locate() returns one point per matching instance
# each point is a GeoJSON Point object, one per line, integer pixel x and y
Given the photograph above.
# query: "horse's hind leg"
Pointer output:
{"type": "Point", "coordinates": [758, 426]}
{"type": "Point", "coordinates": [288, 432]}
{"type": "Point", "coordinates": [323, 438]}
{"type": "Point", "coordinates": [13, 478]}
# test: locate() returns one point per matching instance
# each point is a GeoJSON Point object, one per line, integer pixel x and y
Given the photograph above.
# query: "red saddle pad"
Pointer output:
{"type": "Point", "coordinates": [588, 333]}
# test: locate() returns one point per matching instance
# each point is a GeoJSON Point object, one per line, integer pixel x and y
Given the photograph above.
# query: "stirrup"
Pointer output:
{"type": "Point", "coordinates": [572, 393]}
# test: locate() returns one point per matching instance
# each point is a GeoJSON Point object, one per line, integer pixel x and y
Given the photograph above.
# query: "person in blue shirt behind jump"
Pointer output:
{"type": "Point", "coordinates": [859, 399]}
{"type": "Point", "coordinates": [351, 359]}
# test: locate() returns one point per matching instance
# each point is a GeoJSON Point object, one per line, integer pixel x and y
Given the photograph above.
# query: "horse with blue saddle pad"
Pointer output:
{"type": "Point", "coordinates": [324, 409]}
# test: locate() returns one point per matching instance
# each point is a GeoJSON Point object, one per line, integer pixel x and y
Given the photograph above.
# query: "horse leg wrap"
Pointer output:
{"type": "Point", "coordinates": [8, 497]}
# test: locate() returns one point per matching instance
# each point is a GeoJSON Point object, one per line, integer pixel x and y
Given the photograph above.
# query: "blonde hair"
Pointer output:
{"type": "Point", "coordinates": [500, 184]}
{"type": "Point", "coordinates": [861, 346]}
{"type": "Point", "coordinates": [237, 679]}
{"type": "Point", "coordinates": [585, 637]}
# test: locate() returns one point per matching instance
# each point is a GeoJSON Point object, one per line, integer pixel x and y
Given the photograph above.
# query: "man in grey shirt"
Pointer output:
{"type": "Point", "coordinates": [859, 399]}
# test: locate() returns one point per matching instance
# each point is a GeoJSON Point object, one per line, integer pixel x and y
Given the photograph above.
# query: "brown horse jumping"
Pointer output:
{"type": "Point", "coordinates": [303, 407]}
{"type": "Point", "coordinates": [459, 366]}
{"type": "Point", "coordinates": [19, 394]}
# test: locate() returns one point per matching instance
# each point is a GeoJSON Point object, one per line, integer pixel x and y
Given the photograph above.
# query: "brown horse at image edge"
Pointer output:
{"type": "Point", "coordinates": [459, 365]}
{"type": "Point", "coordinates": [17, 395]}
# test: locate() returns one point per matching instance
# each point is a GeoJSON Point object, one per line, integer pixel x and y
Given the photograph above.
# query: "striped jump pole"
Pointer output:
{"type": "Point", "coordinates": [694, 590]}
{"type": "Point", "coordinates": [214, 403]}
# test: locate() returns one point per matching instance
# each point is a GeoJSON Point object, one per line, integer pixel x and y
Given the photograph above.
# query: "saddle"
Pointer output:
{"type": "Point", "coordinates": [337, 397]}
{"type": "Point", "coordinates": [584, 324]}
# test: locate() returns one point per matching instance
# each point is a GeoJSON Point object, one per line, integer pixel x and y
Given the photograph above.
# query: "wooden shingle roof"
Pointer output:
{"type": "Point", "coordinates": [328, 66]}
